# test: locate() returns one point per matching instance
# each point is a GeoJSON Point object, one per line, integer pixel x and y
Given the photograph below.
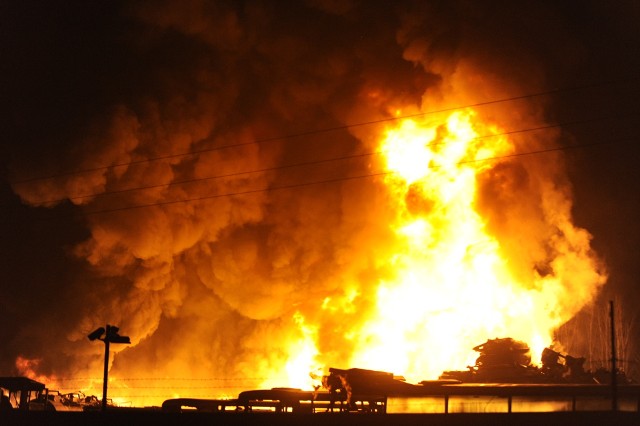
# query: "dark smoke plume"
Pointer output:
{"type": "Point", "coordinates": [203, 211]}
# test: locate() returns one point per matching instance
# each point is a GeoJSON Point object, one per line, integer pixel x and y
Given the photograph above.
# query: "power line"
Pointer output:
{"type": "Point", "coordinates": [326, 181]}
{"type": "Point", "coordinates": [315, 162]}
{"type": "Point", "coordinates": [330, 129]}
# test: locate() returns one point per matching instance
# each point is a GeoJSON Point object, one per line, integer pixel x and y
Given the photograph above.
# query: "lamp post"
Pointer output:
{"type": "Point", "coordinates": [107, 335]}
{"type": "Point", "coordinates": [614, 368]}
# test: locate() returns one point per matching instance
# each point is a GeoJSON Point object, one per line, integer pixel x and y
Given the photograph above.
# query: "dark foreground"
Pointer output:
{"type": "Point", "coordinates": [158, 418]}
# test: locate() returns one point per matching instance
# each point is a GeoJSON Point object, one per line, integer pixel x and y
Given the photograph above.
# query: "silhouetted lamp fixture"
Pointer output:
{"type": "Point", "coordinates": [107, 335]}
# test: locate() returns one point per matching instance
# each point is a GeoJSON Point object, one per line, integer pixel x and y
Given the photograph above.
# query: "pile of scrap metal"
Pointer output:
{"type": "Point", "coordinates": [177, 405]}
{"type": "Point", "coordinates": [500, 361]}
{"type": "Point", "coordinates": [568, 369]}
{"type": "Point", "coordinates": [558, 367]}
{"type": "Point", "coordinates": [77, 401]}
{"type": "Point", "coordinates": [23, 393]}
{"type": "Point", "coordinates": [296, 400]}
{"type": "Point", "coordinates": [353, 390]}
{"type": "Point", "coordinates": [284, 400]}
{"type": "Point", "coordinates": [357, 383]}
{"type": "Point", "coordinates": [506, 360]}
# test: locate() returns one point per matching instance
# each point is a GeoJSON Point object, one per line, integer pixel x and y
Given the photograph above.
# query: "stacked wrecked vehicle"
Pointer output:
{"type": "Point", "coordinates": [507, 360]}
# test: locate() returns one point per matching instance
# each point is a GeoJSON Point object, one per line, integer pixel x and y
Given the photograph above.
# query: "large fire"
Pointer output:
{"type": "Point", "coordinates": [453, 287]}
{"type": "Point", "coordinates": [453, 284]}
{"type": "Point", "coordinates": [448, 282]}
{"type": "Point", "coordinates": [254, 207]}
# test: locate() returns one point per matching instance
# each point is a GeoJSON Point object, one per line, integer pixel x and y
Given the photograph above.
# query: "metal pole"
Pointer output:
{"type": "Point", "coordinates": [614, 373]}
{"type": "Point", "coordinates": [106, 371]}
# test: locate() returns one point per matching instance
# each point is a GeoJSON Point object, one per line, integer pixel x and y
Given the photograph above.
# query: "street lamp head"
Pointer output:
{"type": "Point", "coordinates": [107, 335]}
{"type": "Point", "coordinates": [113, 336]}
{"type": "Point", "coordinates": [120, 339]}
{"type": "Point", "coordinates": [96, 334]}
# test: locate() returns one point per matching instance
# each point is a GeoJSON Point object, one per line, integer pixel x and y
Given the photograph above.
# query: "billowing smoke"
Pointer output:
{"type": "Point", "coordinates": [224, 188]}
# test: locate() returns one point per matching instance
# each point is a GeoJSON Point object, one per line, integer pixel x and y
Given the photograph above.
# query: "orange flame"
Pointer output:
{"type": "Point", "coordinates": [28, 368]}
{"type": "Point", "coordinates": [449, 280]}
{"type": "Point", "coordinates": [453, 285]}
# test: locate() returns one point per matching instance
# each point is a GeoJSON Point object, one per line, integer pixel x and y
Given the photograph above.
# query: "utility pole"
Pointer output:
{"type": "Point", "coordinates": [107, 335]}
{"type": "Point", "coordinates": [614, 372]}
{"type": "Point", "coordinates": [105, 377]}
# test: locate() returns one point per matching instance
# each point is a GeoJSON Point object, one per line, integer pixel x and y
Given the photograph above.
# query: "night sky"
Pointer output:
{"type": "Point", "coordinates": [91, 92]}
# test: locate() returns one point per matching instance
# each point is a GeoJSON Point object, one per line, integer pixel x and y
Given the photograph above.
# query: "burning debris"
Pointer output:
{"type": "Point", "coordinates": [500, 361]}
{"type": "Point", "coordinates": [505, 360]}
{"type": "Point", "coordinates": [29, 395]}
{"type": "Point", "coordinates": [342, 384]}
